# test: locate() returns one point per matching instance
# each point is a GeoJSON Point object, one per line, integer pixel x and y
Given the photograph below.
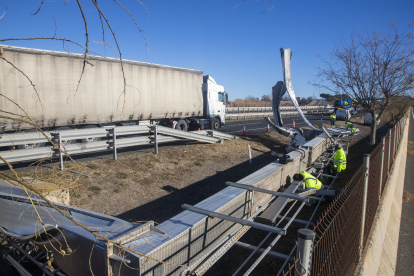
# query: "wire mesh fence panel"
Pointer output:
{"type": "Point", "coordinates": [291, 269]}
{"type": "Point", "coordinates": [373, 188]}
{"type": "Point", "coordinates": [336, 245]}
{"type": "Point", "coordinates": [385, 164]}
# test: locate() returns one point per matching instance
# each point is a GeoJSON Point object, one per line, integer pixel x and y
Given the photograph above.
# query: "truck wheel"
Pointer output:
{"type": "Point", "coordinates": [32, 145]}
{"type": "Point", "coordinates": [181, 125]}
{"type": "Point", "coordinates": [89, 139]}
{"type": "Point", "coordinates": [215, 124]}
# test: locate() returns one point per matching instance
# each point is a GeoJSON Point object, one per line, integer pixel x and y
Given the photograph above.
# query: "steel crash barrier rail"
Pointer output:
{"type": "Point", "coordinates": [342, 233]}
{"type": "Point", "coordinates": [155, 135]}
{"type": "Point", "coordinates": [231, 116]}
{"type": "Point", "coordinates": [267, 109]}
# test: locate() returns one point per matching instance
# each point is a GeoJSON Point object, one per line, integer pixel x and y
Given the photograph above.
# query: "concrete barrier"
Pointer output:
{"type": "Point", "coordinates": [380, 253]}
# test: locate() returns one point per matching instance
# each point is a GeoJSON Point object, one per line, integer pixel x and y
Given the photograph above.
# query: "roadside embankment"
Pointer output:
{"type": "Point", "coordinates": [380, 253]}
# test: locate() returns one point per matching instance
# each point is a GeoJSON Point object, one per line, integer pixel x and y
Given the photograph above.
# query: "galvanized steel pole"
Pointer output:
{"type": "Point", "coordinates": [304, 252]}
{"type": "Point", "coordinates": [250, 154]}
{"type": "Point", "coordinates": [382, 167]}
{"type": "Point", "coordinates": [114, 139]}
{"type": "Point", "coordinates": [60, 151]}
{"type": "Point", "coordinates": [393, 150]}
{"type": "Point", "coordinates": [156, 139]}
{"type": "Point", "coordinates": [364, 205]}
{"type": "Point", "coordinates": [389, 150]}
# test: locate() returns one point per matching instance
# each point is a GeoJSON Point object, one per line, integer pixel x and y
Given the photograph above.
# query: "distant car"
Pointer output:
{"type": "Point", "coordinates": [343, 114]}
{"type": "Point", "coordinates": [368, 119]}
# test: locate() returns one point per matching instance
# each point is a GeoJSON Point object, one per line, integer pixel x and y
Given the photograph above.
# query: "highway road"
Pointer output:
{"type": "Point", "coordinates": [257, 126]}
{"type": "Point", "coordinates": [235, 127]}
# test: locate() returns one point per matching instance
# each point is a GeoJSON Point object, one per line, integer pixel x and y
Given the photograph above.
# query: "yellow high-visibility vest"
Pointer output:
{"type": "Point", "coordinates": [340, 160]}
{"type": "Point", "coordinates": [310, 181]}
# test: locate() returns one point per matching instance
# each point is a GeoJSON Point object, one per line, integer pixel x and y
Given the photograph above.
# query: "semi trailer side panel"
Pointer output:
{"type": "Point", "coordinates": [153, 91]}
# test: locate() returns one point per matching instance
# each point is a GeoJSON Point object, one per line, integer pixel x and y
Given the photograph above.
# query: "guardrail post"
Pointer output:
{"type": "Point", "coordinates": [114, 139]}
{"type": "Point", "coordinates": [250, 154]}
{"type": "Point", "coordinates": [304, 252]}
{"type": "Point", "coordinates": [60, 151]}
{"type": "Point", "coordinates": [364, 205]}
{"type": "Point", "coordinates": [382, 167]}
{"type": "Point", "coordinates": [156, 139]}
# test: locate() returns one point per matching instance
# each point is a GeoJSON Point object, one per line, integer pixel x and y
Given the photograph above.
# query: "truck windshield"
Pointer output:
{"type": "Point", "coordinates": [221, 97]}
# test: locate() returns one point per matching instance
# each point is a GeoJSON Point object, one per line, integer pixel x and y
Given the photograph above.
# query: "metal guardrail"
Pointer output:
{"type": "Point", "coordinates": [230, 115]}
{"type": "Point", "coordinates": [14, 139]}
{"type": "Point", "coordinates": [22, 138]}
{"type": "Point", "coordinates": [185, 135]}
{"type": "Point", "coordinates": [265, 109]}
{"type": "Point", "coordinates": [165, 135]}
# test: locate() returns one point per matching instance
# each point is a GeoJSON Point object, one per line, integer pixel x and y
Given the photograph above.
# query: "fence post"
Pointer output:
{"type": "Point", "coordinates": [156, 139]}
{"type": "Point", "coordinates": [395, 141]}
{"type": "Point", "coordinates": [389, 149]}
{"type": "Point", "coordinates": [304, 252]}
{"type": "Point", "coordinates": [115, 154]}
{"type": "Point", "coordinates": [382, 167]}
{"type": "Point", "coordinates": [364, 205]}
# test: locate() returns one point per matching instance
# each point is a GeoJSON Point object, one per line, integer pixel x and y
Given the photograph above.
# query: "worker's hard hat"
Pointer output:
{"type": "Point", "coordinates": [298, 177]}
{"type": "Point", "coordinates": [337, 146]}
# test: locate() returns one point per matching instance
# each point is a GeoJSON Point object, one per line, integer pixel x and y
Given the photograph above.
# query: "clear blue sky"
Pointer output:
{"type": "Point", "coordinates": [239, 48]}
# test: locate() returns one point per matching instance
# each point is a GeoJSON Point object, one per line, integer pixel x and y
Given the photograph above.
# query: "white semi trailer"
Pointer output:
{"type": "Point", "coordinates": [177, 97]}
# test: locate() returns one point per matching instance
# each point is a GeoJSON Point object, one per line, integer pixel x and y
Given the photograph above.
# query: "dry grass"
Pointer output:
{"type": "Point", "coordinates": [115, 187]}
{"type": "Point", "coordinates": [408, 196]}
{"type": "Point", "coordinates": [410, 147]}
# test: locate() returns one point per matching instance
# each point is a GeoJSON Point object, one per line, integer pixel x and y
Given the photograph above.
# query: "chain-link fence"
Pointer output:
{"type": "Point", "coordinates": [343, 229]}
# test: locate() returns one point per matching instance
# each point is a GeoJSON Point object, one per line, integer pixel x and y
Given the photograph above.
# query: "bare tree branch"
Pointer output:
{"type": "Point", "coordinates": [41, 4]}
{"type": "Point", "coordinates": [374, 70]}
{"type": "Point", "coordinates": [3, 13]}
{"type": "Point", "coordinates": [135, 22]}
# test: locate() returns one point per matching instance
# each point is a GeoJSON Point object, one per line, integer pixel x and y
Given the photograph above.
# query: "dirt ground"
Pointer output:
{"type": "Point", "coordinates": [145, 186]}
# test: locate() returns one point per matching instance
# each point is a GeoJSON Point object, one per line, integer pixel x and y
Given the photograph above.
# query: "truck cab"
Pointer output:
{"type": "Point", "coordinates": [215, 99]}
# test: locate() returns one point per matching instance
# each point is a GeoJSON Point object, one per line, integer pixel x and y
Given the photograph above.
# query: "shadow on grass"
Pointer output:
{"type": "Point", "coordinates": [168, 206]}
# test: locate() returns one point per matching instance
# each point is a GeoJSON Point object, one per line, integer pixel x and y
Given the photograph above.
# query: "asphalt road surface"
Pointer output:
{"type": "Point", "coordinates": [234, 127]}
{"type": "Point", "coordinates": [258, 126]}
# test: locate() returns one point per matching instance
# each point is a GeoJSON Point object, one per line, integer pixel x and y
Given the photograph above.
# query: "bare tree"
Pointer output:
{"type": "Point", "coordinates": [374, 70]}
{"type": "Point", "coordinates": [286, 98]}
{"type": "Point", "coordinates": [251, 98]}
{"type": "Point", "coordinates": [15, 178]}
{"type": "Point", "coordinates": [266, 98]}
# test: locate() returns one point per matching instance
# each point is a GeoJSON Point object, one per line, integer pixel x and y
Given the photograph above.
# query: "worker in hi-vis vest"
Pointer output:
{"type": "Point", "coordinates": [310, 180]}
{"type": "Point", "coordinates": [351, 126]}
{"type": "Point", "coordinates": [333, 119]}
{"type": "Point", "coordinates": [339, 158]}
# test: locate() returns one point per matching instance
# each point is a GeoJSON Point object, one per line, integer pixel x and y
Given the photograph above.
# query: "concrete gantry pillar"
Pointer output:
{"type": "Point", "coordinates": [304, 250]}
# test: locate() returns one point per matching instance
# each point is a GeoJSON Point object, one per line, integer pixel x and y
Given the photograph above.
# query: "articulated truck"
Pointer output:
{"type": "Point", "coordinates": [61, 97]}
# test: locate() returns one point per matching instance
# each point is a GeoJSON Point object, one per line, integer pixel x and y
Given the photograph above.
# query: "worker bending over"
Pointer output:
{"type": "Point", "coordinates": [339, 158]}
{"type": "Point", "coordinates": [333, 119]}
{"type": "Point", "coordinates": [351, 126]}
{"type": "Point", "coordinates": [310, 180]}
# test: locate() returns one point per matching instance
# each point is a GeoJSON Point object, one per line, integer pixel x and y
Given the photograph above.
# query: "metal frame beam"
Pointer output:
{"type": "Point", "coordinates": [234, 219]}
{"type": "Point", "coordinates": [260, 190]}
